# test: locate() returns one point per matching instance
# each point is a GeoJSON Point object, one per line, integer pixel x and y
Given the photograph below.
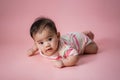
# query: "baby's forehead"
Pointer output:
{"type": "Point", "coordinates": [46, 28]}
{"type": "Point", "coordinates": [43, 34]}
{"type": "Point", "coordinates": [46, 31]}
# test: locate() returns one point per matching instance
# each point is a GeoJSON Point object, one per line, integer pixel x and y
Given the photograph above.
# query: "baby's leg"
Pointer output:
{"type": "Point", "coordinates": [89, 34]}
{"type": "Point", "coordinates": [92, 48]}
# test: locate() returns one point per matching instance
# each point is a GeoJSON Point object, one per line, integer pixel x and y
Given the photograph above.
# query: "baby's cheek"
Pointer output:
{"type": "Point", "coordinates": [56, 44]}
{"type": "Point", "coordinates": [41, 49]}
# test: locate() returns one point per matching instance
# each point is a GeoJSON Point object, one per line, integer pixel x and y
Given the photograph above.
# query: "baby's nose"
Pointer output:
{"type": "Point", "coordinates": [47, 44]}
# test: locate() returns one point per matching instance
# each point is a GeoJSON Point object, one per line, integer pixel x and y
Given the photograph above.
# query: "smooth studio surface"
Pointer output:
{"type": "Point", "coordinates": [102, 17]}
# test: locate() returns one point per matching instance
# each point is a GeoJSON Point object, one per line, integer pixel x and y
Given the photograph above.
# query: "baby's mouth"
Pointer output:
{"type": "Point", "coordinates": [49, 50]}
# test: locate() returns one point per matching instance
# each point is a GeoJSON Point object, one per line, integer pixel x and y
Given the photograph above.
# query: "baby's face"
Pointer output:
{"type": "Point", "coordinates": [47, 41]}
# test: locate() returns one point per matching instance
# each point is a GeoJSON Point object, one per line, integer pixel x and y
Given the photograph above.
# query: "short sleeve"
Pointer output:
{"type": "Point", "coordinates": [71, 52]}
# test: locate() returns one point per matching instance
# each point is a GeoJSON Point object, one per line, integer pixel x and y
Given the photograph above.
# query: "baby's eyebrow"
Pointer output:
{"type": "Point", "coordinates": [50, 35]}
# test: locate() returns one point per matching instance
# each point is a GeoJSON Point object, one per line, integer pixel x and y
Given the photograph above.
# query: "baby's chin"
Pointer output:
{"type": "Point", "coordinates": [48, 53]}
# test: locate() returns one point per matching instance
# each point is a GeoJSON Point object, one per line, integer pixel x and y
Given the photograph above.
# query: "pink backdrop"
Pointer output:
{"type": "Point", "coordinates": [100, 16]}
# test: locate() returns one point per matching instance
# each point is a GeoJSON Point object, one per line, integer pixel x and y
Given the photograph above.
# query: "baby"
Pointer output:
{"type": "Point", "coordinates": [64, 50]}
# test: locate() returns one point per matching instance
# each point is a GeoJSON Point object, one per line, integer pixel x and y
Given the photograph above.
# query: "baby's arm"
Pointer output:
{"type": "Point", "coordinates": [70, 61]}
{"type": "Point", "coordinates": [32, 50]}
{"type": "Point", "coordinates": [66, 62]}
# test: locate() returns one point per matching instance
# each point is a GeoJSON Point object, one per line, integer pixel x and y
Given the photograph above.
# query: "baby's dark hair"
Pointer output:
{"type": "Point", "coordinates": [40, 24]}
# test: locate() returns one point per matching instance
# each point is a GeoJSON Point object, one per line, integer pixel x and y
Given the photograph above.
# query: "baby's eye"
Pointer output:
{"type": "Point", "coordinates": [41, 43]}
{"type": "Point", "coordinates": [50, 39]}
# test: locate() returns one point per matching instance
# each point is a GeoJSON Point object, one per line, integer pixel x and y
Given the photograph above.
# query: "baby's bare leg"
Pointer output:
{"type": "Point", "coordinates": [92, 48]}
{"type": "Point", "coordinates": [89, 34]}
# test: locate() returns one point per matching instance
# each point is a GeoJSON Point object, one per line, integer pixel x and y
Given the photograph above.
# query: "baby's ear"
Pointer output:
{"type": "Point", "coordinates": [58, 35]}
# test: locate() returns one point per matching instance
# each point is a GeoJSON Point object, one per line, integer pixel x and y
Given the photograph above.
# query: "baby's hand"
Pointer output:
{"type": "Point", "coordinates": [70, 61]}
{"type": "Point", "coordinates": [58, 63]}
{"type": "Point", "coordinates": [30, 52]}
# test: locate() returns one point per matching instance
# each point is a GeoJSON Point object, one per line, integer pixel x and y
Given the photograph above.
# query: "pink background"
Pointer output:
{"type": "Point", "coordinates": [100, 16]}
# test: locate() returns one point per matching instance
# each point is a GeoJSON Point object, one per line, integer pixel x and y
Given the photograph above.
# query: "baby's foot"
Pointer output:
{"type": "Point", "coordinates": [89, 34]}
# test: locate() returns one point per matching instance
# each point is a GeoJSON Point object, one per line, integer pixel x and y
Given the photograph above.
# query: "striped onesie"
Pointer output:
{"type": "Point", "coordinates": [70, 44]}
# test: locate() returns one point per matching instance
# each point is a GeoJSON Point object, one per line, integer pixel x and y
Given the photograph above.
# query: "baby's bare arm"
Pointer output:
{"type": "Point", "coordinates": [66, 62]}
{"type": "Point", "coordinates": [70, 61]}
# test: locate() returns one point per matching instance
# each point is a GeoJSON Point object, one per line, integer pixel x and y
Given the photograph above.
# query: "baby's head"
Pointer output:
{"type": "Point", "coordinates": [44, 33]}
